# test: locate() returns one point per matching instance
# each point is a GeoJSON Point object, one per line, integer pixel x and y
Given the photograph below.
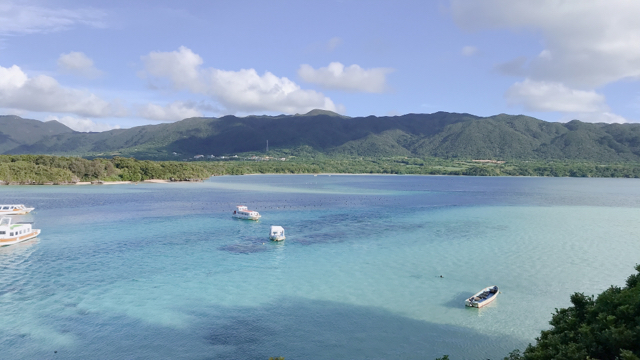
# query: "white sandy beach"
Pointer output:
{"type": "Point", "coordinates": [154, 181]}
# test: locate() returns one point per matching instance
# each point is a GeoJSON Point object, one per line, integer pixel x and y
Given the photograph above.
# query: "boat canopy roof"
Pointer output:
{"type": "Point", "coordinates": [276, 228]}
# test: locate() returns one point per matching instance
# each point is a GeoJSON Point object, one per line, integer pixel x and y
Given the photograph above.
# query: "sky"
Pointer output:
{"type": "Point", "coordinates": [100, 65]}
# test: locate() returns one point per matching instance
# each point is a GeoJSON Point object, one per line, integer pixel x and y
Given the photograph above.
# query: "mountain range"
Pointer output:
{"type": "Point", "coordinates": [441, 134]}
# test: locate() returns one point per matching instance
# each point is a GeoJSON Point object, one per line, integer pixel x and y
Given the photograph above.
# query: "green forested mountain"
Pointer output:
{"type": "Point", "coordinates": [441, 134]}
{"type": "Point", "coordinates": [16, 131]}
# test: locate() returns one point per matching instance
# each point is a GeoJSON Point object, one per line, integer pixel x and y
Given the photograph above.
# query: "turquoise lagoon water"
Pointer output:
{"type": "Point", "coordinates": [155, 271]}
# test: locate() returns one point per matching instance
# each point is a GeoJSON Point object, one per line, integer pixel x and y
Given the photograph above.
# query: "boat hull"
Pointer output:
{"type": "Point", "coordinates": [16, 212]}
{"type": "Point", "coordinates": [277, 238]}
{"type": "Point", "coordinates": [478, 301]}
{"type": "Point", "coordinates": [242, 217]}
{"type": "Point", "coordinates": [17, 239]}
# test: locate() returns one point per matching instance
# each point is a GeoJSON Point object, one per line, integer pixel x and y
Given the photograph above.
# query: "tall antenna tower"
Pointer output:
{"type": "Point", "coordinates": [267, 145]}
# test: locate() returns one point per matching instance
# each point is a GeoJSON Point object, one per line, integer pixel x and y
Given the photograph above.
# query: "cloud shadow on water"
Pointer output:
{"type": "Point", "coordinates": [294, 328]}
{"type": "Point", "coordinates": [310, 329]}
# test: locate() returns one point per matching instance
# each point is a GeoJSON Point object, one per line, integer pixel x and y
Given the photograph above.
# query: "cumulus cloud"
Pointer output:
{"type": "Point", "coordinates": [587, 43]}
{"type": "Point", "coordinates": [587, 106]}
{"type": "Point", "coordinates": [78, 63]}
{"type": "Point", "coordinates": [238, 91]}
{"type": "Point", "coordinates": [550, 96]}
{"type": "Point", "coordinates": [596, 117]}
{"type": "Point", "coordinates": [351, 78]}
{"type": "Point", "coordinates": [177, 110]}
{"type": "Point", "coordinates": [17, 18]}
{"type": "Point", "coordinates": [43, 93]}
{"type": "Point", "coordinates": [82, 125]}
{"type": "Point", "coordinates": [469, 50]}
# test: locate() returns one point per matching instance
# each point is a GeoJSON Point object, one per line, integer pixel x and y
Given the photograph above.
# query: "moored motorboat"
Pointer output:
{"type": "Point", "coordinates": [276, 233]}
{"type": "Point", "coordinates": [242, 212]}
{"type": "Point", "coordinates": [14, 233]}
{"type": "Point", "coordinates": [15, 209]}
{"type": "Point", "coordinates": [483, 297]}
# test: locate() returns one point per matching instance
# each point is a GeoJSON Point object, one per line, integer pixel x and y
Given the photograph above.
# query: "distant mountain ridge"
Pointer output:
{"type": "Point", "coordinates": [441, 134]}
{"type": "Point", "coordinates": [16, 131]}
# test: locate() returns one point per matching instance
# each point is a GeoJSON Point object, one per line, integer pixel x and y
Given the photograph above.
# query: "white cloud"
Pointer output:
{"type": "Point", "coordinates": [181, 68]}
{"type": "Point", "coordinates": [238, 91]}
{"type": "Point", "coordinates": [43, 93]}
{"type": "Point", "coordinates": [177, 110]}
{"type": "Point", "coordinates": [596, 117]}
{"type": "Point", "coordinates": [350, 78]}
{"type": "Point", "coordinates": [10, 111]}
{"type": "Point", "coordinates": [550, 96]}
{"type": "Point", "coordinates": [587, 43]}
{"type": "Point", "coordinates": [78, 63]}
{"type": "Point", "coordinates": [16, 18]}
{"type": "Point", "coordinates": [469, 50]}
{"type": "Point", "coordinates": [82, 125]}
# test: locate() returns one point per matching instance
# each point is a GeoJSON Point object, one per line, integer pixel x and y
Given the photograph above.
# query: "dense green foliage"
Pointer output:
{"type": "Point", "coordinates": [43, 169]}
{"type": "Point", "coordinates": [607, 327]}
{"type": "Point", "coordinates": [441, 135]}
{"type": "Point", "coordinates": [418, 166]}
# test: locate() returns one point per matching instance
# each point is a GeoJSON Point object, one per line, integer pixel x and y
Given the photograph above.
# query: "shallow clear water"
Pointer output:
{"type": "Point", "coordinates": [163, 271]}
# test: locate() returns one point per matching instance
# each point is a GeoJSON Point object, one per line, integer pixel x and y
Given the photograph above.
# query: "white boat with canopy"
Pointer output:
{"type": "Point", "coordinates": [483, 297]}
{"type": "Point", "coordinates": [242, 212]}
{"type": "Point", "coordinates": [14, 233]}
{"type": "Point", "coordinates": [14, 209]}
{"type": "Point", "coordinates": [276, 233]}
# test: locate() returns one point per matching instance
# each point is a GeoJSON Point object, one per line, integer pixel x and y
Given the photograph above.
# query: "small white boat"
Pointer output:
{"type": "Point", "coordinates": [242, 212]}
{"type": "Point", "coordinates": [483, 297]}
{"type": "Point", "coordinates": [14, 233]}
{"type": "Point", "coordinates": [14, 210]}
{"type": "Point", "coordinates": [276, 233]}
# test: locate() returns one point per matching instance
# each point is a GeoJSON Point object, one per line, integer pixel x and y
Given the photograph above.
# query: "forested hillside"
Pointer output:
{"type": "Point", "coordinates": [441, 134]}
{"type": "Point", "coordinates": [16, 131]}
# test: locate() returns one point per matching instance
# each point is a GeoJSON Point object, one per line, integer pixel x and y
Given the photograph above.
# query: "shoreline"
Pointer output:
{"type": "Point", "coordinates": [149, 181]}
{"type": "Point", "coordinates": [163, 181]}
{"type": "Point", "coordinates": [83, 183]}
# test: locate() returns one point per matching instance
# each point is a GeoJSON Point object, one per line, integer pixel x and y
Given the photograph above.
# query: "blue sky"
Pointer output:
{"type": "Point", "coordinates": [97, 65]}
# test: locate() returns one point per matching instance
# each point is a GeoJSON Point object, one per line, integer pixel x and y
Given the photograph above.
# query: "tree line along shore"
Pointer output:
{"type": "Point", "coordinates": [48, 169]}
